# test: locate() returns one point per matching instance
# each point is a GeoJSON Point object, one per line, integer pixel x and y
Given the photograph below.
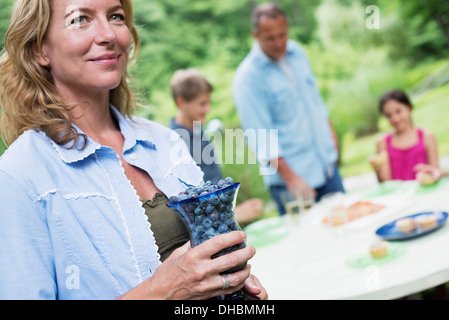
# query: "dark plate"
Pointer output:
{"type": "Point", "coordinates": [390, 232]}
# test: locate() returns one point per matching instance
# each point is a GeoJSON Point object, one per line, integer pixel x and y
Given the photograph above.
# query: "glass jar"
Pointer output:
{"type": "Point", "coordinates": [208, 215]}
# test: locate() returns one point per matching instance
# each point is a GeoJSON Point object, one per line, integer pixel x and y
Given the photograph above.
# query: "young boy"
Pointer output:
{"type": "Point", "coordinates": [192, 94]}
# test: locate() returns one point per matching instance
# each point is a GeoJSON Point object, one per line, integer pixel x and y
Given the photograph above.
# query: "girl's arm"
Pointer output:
{"type": "Point", "coordinates": [431, 148]}
{"type": "Point", "coordinates": [383, 170]}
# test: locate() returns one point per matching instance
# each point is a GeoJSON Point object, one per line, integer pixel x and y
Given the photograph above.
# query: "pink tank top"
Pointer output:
{"type": "Point", "coordinates": [402, 161]}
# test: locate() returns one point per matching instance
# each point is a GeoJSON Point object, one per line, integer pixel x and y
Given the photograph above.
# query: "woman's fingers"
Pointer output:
{"type": "Point", "coordinates": [223, 241]}
{"type": "Point", "coordinates": [236, 281]}
{"type": "Point", "coordinates": [233, 259]}
{"type": "Point", "coordinates": [194, 274]}
{"type": "Point", "coordinates": [254, 287]}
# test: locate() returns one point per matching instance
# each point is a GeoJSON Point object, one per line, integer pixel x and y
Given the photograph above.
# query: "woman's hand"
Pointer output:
{"type": "Point", "coordinates": [255, 288]}
{"type": "Point", "coordinates": [191, 273]}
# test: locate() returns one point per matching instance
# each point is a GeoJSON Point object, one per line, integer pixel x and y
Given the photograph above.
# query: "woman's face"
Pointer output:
{"type": "Point", "coordinates": [398, 114]}
{"type": "Point", "coordinates": [87, 45]}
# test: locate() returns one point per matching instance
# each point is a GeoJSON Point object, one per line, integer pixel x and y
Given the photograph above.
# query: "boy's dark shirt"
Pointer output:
{"type": "Point", "coordinates": [211, 171]}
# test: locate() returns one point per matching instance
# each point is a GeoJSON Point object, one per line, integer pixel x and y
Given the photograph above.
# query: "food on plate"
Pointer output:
{"type": "Point", "coordinates": [362, 209]}
{"type": "Point", "coordinates": [337, 216]}
{"type": "Point", "coordinates": [356, 211]}
{"type": "Point", "coordinates": [379, 250]}
{"type": "Point", "coordinates": [425, 179]}
{"type": "Point", "coordinates": [379, 159]}
{"type": "Point", "coordinates": [406, 225]}
{"type": "Point", "coordinates": [427, 221]}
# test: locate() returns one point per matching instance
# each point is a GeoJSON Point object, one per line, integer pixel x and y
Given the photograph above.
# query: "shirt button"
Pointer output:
{"type": "Point", "coordinates": [133, 157]}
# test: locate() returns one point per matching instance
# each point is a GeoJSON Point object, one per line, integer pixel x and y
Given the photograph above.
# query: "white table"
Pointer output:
{"type": "Point", "coordinates": [310, 262]}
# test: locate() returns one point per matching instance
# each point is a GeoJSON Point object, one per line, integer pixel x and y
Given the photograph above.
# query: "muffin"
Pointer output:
{"type": "Point", "coordinates": [379, 159]}
{"type": "Point", "coordinates": [425, 179]}
{"type": "Point", "coordinates": [427, 222]}
{"type": "Point", "coordinates": [379, 250]}
{"type": "Point", "coordinates": [406, 225]}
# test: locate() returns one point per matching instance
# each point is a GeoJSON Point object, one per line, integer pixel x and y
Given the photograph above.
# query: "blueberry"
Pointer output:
{"type": "Point", "coordinates": [222, 207]}
{"type": "Point", "coordinates": [190, 207]}
{"type": "Point", "coordinates": [214, 216]}
{"type": "Point", "coordinates": [198, 190]}
{"type": "Point", "coordinates": [199, 229]}
{"type": "Point", "coordinates": [207, 223]}
{"type": "Point", "coordinates": [221, 183]}
{"type": "Point", "coordinates": [198, 211]}
{"type": "Point", "coordinates": [231, 224]}
{"type": "Point", "coordinates": [229, 180]}
{"type": "Point", "coordinates": [224, 198]}
{"type": "Point", "coordinates": [223, 228]}
{"type": "Point", "coordinates": [214, 201]}
{"type": "Point", "coordinates": [199, 219]}
{"type": "Point", "coordinates": [210, 209]}
{"type": "Point", "coordinates": [209, 234]}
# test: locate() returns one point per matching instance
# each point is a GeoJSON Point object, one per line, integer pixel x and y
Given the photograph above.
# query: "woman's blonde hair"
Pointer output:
{"type": "Point", "coordinates": [28, 98]}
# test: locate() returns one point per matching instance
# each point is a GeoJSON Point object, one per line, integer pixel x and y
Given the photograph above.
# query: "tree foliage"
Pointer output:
{"type": "Point", "coordinates": [353, 65]}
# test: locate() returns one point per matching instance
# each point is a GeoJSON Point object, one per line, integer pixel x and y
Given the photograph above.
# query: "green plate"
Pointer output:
{"type": "Point", "coordinates": [364, 260]}
{"type": "Point", "coordinates": [383, 188]}
{"type": "Point", "coordinates": [265, 232]}
{"type": "Point", "coordinates": [440, 183]}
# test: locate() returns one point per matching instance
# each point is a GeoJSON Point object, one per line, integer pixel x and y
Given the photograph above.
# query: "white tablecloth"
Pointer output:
{"type": "Point", "coordinates": [311, 261]}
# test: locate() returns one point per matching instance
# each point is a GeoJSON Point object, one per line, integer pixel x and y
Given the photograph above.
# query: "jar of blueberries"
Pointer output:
{"type": "Point", "coordinates": [207, 211]}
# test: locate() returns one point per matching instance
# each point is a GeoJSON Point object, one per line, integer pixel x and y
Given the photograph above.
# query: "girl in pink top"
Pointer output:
{"type": "Point", "coordinates": [407, 146]}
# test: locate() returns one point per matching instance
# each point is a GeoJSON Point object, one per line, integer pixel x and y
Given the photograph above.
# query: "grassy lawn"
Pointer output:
{"type": "Point", "coordinates": [430, 112]}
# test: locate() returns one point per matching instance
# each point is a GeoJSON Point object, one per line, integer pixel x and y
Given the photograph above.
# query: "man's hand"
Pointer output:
{"type": "Point", "coordinates": [295, 185]}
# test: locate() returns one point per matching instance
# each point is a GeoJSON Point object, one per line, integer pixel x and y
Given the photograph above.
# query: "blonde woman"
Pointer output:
{"type": "Point", "coordinates": [78, 168]}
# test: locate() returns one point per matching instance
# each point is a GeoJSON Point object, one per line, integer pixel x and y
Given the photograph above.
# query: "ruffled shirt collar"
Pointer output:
{"type": "Point", "coordinates": [132, 131]}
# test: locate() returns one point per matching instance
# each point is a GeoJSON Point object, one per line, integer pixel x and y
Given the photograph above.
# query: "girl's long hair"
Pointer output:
{"type": "Point", "coordinates": [28, 98]}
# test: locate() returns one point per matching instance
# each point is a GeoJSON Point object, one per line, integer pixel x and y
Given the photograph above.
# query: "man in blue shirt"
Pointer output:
{"type": "Point", "coordinates": [275, 88]}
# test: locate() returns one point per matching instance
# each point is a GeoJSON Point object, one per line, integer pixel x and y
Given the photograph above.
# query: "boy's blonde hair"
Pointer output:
{"type": "Point", "coordinates": [28, 98]}
{"type": "Point", "coordinates": [188, 84]}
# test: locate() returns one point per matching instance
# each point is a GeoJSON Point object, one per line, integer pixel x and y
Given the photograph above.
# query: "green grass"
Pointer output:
{"type": "Point", "coordinates": [355, 155]}
{"type": "Point", "coordinates": [431, 112]}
